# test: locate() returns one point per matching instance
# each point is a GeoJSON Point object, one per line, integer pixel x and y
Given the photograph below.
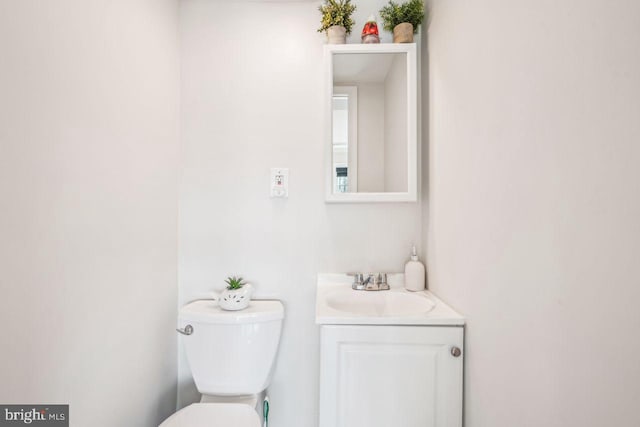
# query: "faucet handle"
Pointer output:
{"type": "Point", "coordinates": [382, 282]}
{"type": "Point", "coordinates": [358, 280]}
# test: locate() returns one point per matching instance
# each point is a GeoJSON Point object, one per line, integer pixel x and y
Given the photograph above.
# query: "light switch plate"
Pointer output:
{"type": "Point", "coordinates": [280, 182]}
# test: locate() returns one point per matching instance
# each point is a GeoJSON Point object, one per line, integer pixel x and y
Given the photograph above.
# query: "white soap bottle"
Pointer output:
{"type": "Point", "coordinates": [414, 273]}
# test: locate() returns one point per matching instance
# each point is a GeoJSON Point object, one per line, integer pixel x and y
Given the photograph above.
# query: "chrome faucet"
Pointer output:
{"type": "Point", "coordinates": [373, 282]}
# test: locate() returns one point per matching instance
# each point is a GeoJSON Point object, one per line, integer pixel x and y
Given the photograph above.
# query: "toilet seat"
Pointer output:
{"type": "Point", "coordinates": [214, 415]}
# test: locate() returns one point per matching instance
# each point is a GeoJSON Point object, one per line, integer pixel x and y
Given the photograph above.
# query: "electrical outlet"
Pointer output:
{"type": "Point", "coordinates": [280, 182]}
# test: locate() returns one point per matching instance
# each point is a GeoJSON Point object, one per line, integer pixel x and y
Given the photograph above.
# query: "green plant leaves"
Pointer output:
{"type": "Point", "coordinates": [234, 282]}
{"type": "Point", "coordinates": [337, 12]}
{"type": "Point", "coordinates": [393, 14]}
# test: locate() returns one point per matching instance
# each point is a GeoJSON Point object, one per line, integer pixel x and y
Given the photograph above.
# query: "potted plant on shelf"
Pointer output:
{"type": "Point", "coordinates": [237, 294]}
{"type": "Point", "coordinates": [402, 19]}
{"type": "Point", "coordinates": [336, 20]}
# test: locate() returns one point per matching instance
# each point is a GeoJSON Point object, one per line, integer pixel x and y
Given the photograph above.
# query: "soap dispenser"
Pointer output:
{"type": "Point", "coordinates": [414, 273]}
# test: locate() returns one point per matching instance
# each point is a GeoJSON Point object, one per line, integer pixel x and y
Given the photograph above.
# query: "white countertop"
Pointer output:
{"type": "Point", "coordinates": [396, 306]}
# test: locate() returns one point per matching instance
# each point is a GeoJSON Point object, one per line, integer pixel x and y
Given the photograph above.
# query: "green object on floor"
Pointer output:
{"type": "Point", "coordinates": [265, 411]}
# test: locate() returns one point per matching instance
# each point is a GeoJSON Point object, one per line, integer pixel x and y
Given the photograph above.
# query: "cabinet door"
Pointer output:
{"type": "Point", "coordinates": [390, 376]}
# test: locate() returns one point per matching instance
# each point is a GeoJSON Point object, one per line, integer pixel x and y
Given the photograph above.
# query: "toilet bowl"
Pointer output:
{"type": "Point", "coordinates": [214, 414]}
{"type": "Point", "coordinates": [231, 355]}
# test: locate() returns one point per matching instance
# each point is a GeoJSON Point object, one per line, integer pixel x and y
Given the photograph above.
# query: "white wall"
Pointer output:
{"type": "Point", "coordinates": [88, 218]}
{"type": "Point", "coordinates": [252, 98]}
{"type": "Point", "coordinates": [395, 126]}
{"type": "Point", "coordinates": [534, 205]}
{"type": "Point", "coordinates": [371, 127]}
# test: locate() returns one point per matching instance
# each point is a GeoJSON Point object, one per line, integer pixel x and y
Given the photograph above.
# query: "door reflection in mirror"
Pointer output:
{"type": "Point", "coordinates": [345, 139]}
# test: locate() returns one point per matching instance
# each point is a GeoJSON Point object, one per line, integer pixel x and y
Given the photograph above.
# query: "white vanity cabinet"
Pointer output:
{"type": "Point", "coordinates": [391, 376]}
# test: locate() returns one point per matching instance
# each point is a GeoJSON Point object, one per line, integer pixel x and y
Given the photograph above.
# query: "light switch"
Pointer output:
{"type": "Point", "coordinates": [280, 182]}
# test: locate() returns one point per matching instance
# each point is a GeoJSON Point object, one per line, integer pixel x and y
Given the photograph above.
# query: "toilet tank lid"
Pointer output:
{"type": "Point", "coordinates": [208, 311]}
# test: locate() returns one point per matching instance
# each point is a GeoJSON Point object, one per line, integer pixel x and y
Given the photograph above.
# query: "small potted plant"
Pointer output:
{"type": "Point", "coordinates": [402, 19]}
{"type": "Point", "coordinates": [237, 294]}
{"type": "Point", "coordinates": [336, 20]}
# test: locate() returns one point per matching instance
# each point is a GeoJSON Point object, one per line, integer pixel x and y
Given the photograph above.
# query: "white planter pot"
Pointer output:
{"type": "Point", "coordinates": [336, 34]}
{"type": "Point", "coordinates": [235, 299]}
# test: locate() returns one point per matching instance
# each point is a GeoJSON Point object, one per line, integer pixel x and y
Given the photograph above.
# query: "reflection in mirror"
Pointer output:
{"type": "Point", "coordinates": [345, 139]}
{"type": "Point", "coordinates": [369, 123]}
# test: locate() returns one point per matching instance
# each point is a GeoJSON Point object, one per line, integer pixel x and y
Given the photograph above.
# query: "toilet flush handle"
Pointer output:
{"type": "Point", "coordinates": [188, 330]}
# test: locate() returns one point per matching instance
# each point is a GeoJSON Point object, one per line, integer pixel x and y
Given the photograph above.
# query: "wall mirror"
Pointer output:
{"type": "Point", "coordinates": [371, 126]}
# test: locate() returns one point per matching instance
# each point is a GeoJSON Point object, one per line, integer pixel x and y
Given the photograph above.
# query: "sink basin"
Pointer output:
{"type": "Point", "coordinates": [338, 304]}
{"type": "Point", "coordinates": [382, 303]}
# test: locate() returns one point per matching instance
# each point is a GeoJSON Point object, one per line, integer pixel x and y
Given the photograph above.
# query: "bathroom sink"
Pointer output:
{"type": "Point", "coordinates": [381, 303]}
{"type": "Point", "coordinates": [338, 304]}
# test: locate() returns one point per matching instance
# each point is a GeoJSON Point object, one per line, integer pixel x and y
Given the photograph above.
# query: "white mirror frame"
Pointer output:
{"type": "Point", "coordinates": [411, 195]}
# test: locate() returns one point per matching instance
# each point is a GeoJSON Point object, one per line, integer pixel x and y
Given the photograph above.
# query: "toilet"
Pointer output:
{"type": "Point", "coordinates": [231, 355]}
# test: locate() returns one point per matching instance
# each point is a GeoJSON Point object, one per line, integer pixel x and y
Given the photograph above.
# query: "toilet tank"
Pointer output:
{"type": "Point", "coordinates": [231, 353]}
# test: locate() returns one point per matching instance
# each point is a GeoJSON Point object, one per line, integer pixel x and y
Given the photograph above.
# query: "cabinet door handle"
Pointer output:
{"type": "Point", "coordinates": [455, 351]}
